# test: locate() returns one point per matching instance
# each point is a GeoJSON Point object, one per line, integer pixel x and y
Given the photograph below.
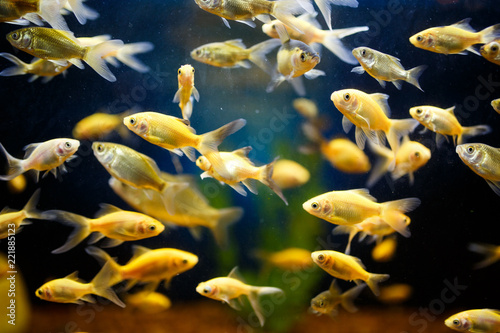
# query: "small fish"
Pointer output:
{"type": "Point", "coordinates": [395, 294]}
{"type": "Point", "coordinates": [148, 266]}
{"type": "Point", "coordinates": [16, 219]}
{"type": "Point", "coordinates": [496, 105]}
{"type": "Point", "coordinates": [17, 184]}
{"type": "Point", "coordinates": [241, 169]}
{"type": "Point", "coordinates": [370, 114]}
{"type": "Point", "coordinates": [491, 52]}
{"type": "Point", "coordinates": [354, 206]}
{"type": "Point", "coordinates": [443, 122]}
{"type": "Point", "coordinates": [492, 253]}
{"type": "Point", "coordinates": [455, 38]}
{"type": "Point", "coordinates": [73, 290]}
{"type": "Point", "coordinates": [484, 160]}
{"type": "Point", "coordinates": [187, 90]}
{"type": "Point", "coordinates": [475, 321]}
{"type": "Point", "coordinates": [347, 268]}
{"type": "Point", "coordinates": [306, 108]}
{"type": "Point", "coordinates": [112, 222]}
{"type": "Point", "coordinates": [38, 68]}
{"type": "Point", "coordinates": [289, 174]}
{"type": "Point", "coordinates": [290, 259]}
{"type": "Point", "coordinates": [62, 47]}
{"type": "Point", "coordinates": [148, 302]}
{"type": "Point", "coordinates": [384, 67]}
{"type": "Point", "coordinates": [385, 250]}
{"type": "Point", "coordinates": [229, 289]}
{"type": "Point", "coordinates": [328, 301]}
{"type": "Point", "coordinates": [176, 135]}
{"type": "Point", "coordinates": [99, 125]}
{"type": "Point", "coordinates": [45, 156]}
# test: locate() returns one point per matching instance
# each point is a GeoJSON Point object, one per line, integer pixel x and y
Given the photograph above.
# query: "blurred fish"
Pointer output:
{"type": "Point", "coordinates": [475, 321]}
{"type": "Point", "coordinates": [384, 67]}
{"type": "Point", "coordinates": [370, 114]}
{"type": "Point", "coordinates": [176, 135]}
{"type": "Point", "coordinates": [241, 169]}
{"type": "Point", "coordinates": [289, 174]}
{"type": "Point", "coordinates": [491, 253]}
{"type": "Point", "coordinates": [496, 105]}
{"type": "Point", "coordinates": [62, 47]}
{"type": "Point", "coordinates": [17, 184]}
{"type": "Point", "coordinates": [490, 51]}
{"type": "Point", "coordinates": [99, 125]}
{"type": "Point", "coordinates": [229, 289]}
{"type": "Point", "coordinates": [385, 250]}
{"type": "Point", "coordinates": [328, 301]}
{"type": "Point", "coordinates": [306, 108]}
{"type": "Point", "coordinates": [187, 90]}
{"type": "Point", "coordinates": [126, 55]}
{"type": "Point", "coordinates": [455, 38]}
{"type": "Point", "coordinates": [324, 7]}
{"type": "Point", "coordinates": [146, 265]}
{"type": "Point", "coordinates": [443, 122]}
{"type": "Point", "coordinates": [395, 293]}
{"type": "Point", "coordinates": [38, 68]}
{"type": "Point", "coordinates": [347, 268]}
{"type": "Point", "coordinates": [148, 302]}
{"type": "Point", "coordinates": [290, 259]}
{"type": "Point", "coordinates": [15, 220]}
{"type": "Point", "coordinates": [112, 222]}
{"type": "Point", "coordinates": [73, 290]}
{"type": "Point", "coordinates": [45, 156]}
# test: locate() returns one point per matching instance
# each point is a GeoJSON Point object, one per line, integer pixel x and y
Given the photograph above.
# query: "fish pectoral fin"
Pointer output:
{"type": "Point", "coordinates": [196, 94]}
{"type": "Point", "coordinates": [205, 175]}
{"type": "Point", "coordinates": [314, 73]}
{"type": "Point", "coordinates": [77, 62]}
{"type": "Point", "coordinates": [263, 18]}
{"type": "Point", "coordinates": [250, 23]}
{"type": "Point", "coordinates": [111, 243]}
{"type": "Point", "coordinates": [471, 49]}
{"type": "Point", "coordinates": [238, 188]}
{"type": "Point", "coordinates": [358, 70]}
{"type": "Point", "coordinates": [360, 137]}
{"type": "Point", "coordinates": [234, 303]}
{"type": "Point", "coordinates": [226, 22]}
{"type": "Point", "coordinates": [346, 124]}
{"type": "Point", "coordinates": [177, 96]}
{"type": "Point", "coordinates": [397, 84]}
{"type": "Point", "coordinates": [495, 186]}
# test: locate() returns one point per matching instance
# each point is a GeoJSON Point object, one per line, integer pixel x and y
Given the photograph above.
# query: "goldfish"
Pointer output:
{"type": "Point", "coordinates": [148, 302]}
{"type": "Point", "coordinates": [241, 169]}
{"type": "Point", "coordinates": [290, 259]}
{"type": "Point", "coordinates": [39, 68]}
{"type": "Point", "coordinates": [17, 184]}
{"type": "Point", "coordinates": [176, 135]}
{"type": "Point", "coordinates": [370, 114]}
{"type": "Point", "coordinates": [496, 105]}
{"type": "Point", "coordinates": [61, 47]}
{"type": "Point", "coordinates": [44, 156]}
{"type": "Point", "coordinates": [455, 38]}
{"type": "Point", "coordinates": [328, 301]}
{"type": "Point", "coordinates": [229, 289]}
{"type": "Point", "coordinates": [187, 90]}
{"type": "Point", "coordinates": [385, 250]}
{"type": "Point", "coordinates": [70, 289]}
{"type": "Point", "coordinates": [191, 208]}
{"type": "Point", "coordinates": [475, 321]}
{"type": "Point", "coordinates": [347, 268]}
{"type": "Point", "coordinates": [245, 11]}
{"type": "Point", "coordinates": [233, 53]}
{"type": "Point", "coordinates": [491, 253]}
{"type": "Point", "coordinates": [490, 51]}
{"type": "Point", "coordinates": [443, 122]}
{"type": "Point", "coordinates": [409, 158]}
{"type": "Point", "coordinates": [112, 222]}
{"type": "Point", "coordinates": [288, 174]}
{"type": "Point", "coordinates": [306, 108]}
{"type": "Point", "coordinates": [395, 293]}
{"type": "Point", "coordinates": [99, 125]}
{"type": "Point", "coordinates": [14, 220]}
{"type": "Point", "coordinates": [146, 265]}
{"type": "Point", "coordinates": [384, 67]}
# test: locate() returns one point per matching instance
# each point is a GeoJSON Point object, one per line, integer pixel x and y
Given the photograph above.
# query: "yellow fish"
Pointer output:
{"type": "Point", "coordinates": [45, 156]}
{"type": "Point", "coordinates": [385, 250]}
{"type": "Point", "coordinates": [492, 253]}
{"type": "Point", "coordinates": [484, 160]}
{"type": "Point", "coordinates": [177, 136]}
{"type": "Point", "coordinates": [384, 67]}
{"type": "Point", "coordinates": [290, 259]}
{"type": "Point", "coordinates": [39, 68]}
{"type": "Point", "coordinates": [187, 90]}
{"type": "Point", "coordinates": [370, 114]}
{"type": "Point", "coordinates": [443, 122]}
{"type": "Point", "coordinates": [14, 220]}
{"type": "Point", "coordinates": [112, 222]}
{"type": "Point", "coordinates": [241, 169]}
{"type": "Point", "coordinates": [73, 290]}
{"type": "Point", "coordinates": [475, 321]}
{"type": "Point", "coordinates": [99, 125]}
{"type": "Point", "coordinates": [62, 47]}
{"type": "Point", "coordinates": [148, 302]}
{"type": "Point", "coordinates": [147, 265]}
{"type": "Point", "coordinates": [306, 108]}
{"type": "Point", "coordinates": [288, 174]}
{"type": "Point", "coordinates": [496, 105]}
{"type": "Point", "coordinates": [229, 289]}
{"type": "Point", "coordinates": [491, 52]}
{"type": "Point", "coordinates": [347, 268]}
{"type": "Point", "coordinates": [395, 293]}
{"type": "Point", "coordinates": [17, 184]}
{"type": "Point", "coordinates": [455, 38]}
{"type": "Point", "coordinates": [328, 301]}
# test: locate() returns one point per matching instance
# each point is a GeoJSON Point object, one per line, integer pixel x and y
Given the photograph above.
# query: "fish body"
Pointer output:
{"type": "Point", "coordinates": [444, 122]}
{"type": "Point", "coordinates": [384, 67]}
{"type": "Point", "coordinates": [16, 219]}
{"type": "Point", "coordinates": [328, 301]}
{"type": "Point", "coordinates": [475, 321]}
{"type": "Point", "coordinates": [295, 58]}
{"type": "Point", "coordinates": [39, 68]}
{"type": "Point", "coordinates": [395, 293]}
{"type": "Point", "coordinates": [385, 250]}
{"type": "Point", "coordinates": [484, 160]}
{"type": "Point", "coordinates": [455, 38]}
{"type": "Point", "coordinates": [45, 156]}
{"type": "Point", "coordinates": [185, 78]}
{"type": "Point", "coordinates": [490, 251]}
{"type": "Point", "coordinates": [148, 302]}
{"type": "Point", "coordinates": [491, 51]}
{"type": "Point", "coordinates": [347, 268]}
{"type": "Point", "coordinates": [291, 259]}
{"type": "Point", "coordinates": [99, 125]}
{"type": "Point", "coordinates": [496, 105]}
{"type": "Point", "coordinates": [289, 174]}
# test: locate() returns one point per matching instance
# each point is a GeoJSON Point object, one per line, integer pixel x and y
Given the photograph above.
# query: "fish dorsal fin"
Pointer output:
{"type": "Point", "coordinates": [187, 123]}
{"type": "Point", "coordinates": [139, 251]}
{"type": "Point", "coordinates": [107, 209]}
{"type": "Point", "coordinates": [242, 152]}
{"type": "Point", "coordinates": [364, 193]}
{"type": "Point", "coordinates": [6, 210]}
{"type": "Point", "coordinates": [235, 42]}
{"type": "Point", "coordinates": [464, 25]}
{"type": "Point", "coordinates": [334, 289]}
{"type": "Point", "coordinates": [357, 260]}
{"type": "Point", "coordinates": [152, 163]}
{"type": "Point", "coordinates": [235, 274]}
{"type": "Point", "coordinates": [381, 100]}
{"type": "Point", "coordinates": [73, 276]}
{"type": "Point", "coordinates": [29, 148]}
{"type": "Point", "coordinates": [450, 110]}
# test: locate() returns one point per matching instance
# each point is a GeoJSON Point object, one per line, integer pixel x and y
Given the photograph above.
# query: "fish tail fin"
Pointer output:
{"type": "Point", "coordinates": [227, 217]}
{"type": "Point", "coordinates": [50, 11]}
{"type": "Point", "coordinates": [347, 299]}
{"type": "Point", "coordinates": [104, 258]}
{"type": "Point", "coordinates": [21, 67]}
{"type": "Point", "coordinates": [30, 207]}
{"type": "Point", "coordinates": [385, 160]}
{"type": "Point", "coordinates": [102, 283]}
{"type": "Point", "coordinates": [374, 280]}
{"type": "Point", "coordinates": [16, 166]}
{"type": "Point", "coordinates": [473, 131]}
{"type": "Point", "coordinates": [399, 128]}
{"type": "Point", "coordinates": [266, 178]}
{"type": "Point", "coordinates": [414, 74]}
{"type": "Point", "coordinates": [126, 55]}
{"type": "Point", "coordinates": [79, 10]}
{"type": "Point", "coordinates": [258, 54]}
{"type": "Point", "coordinates": [285, 10]}
{"type": "Point", "coordinates": [95, 57]}
{"type": "Point", "coordinates": [491, 252]}
{"type": "Point", "coordinates": [255, 294]}
{"type": "Point", "coordinates": [332, 42]}
{"type": "Point", "coordinates": [169, 192]}
{"type": "Point", "coordinates": [393, 213]}
{"type": "Point", "coordinates": [489, 34]}
{"type": "Point", "coordinates": [80, 223]}
{"type": "Point", "coordinates": [326, 11]}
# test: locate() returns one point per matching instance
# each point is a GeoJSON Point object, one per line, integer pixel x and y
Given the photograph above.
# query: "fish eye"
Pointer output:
{"type": "Point", "coordinates": [347, 97]}
{"type": "Point", "coordinates": [179, 72]}
{"type": "Point", "coordinates": [198, 52]}
{"type": "Point", "coordinates": [494, 48]}
{"type": "Point", "coordinates": [15, 36]}
{"type": "Point", "coordinates": [321, 257]}
{"type": "Point", "coordinates": [420, 38]}
{"type": "Point", "coordinates": [207, 290]}
{"type": "Point", "coordinates": [184, 261]}
{"type": "Point", "coordinates": [100, 148]}
{"type": "Point", "coordinates": [315, 205]}
{"type": "Point", "coordinates": [417, 154]}
{"type": "Point", "coordinates": [321, 304]}
{"type": "Point", "coordinates": [67, 144]}
{"type": "Point", "coordinates": [363, 52]}
{"type": "Point", "coordinates": [152, 227]}
{"type": "Point", "coordinates": [456, 322]}
{"type": "Point", "coordinates": [303, 56]}
{"type": "Point", "coordinates": [419, 111]}
{"type": "Point", "coordinates": [39, 292]}
{"type": "Point", "coordinates": [132, 121]}
{"type": "Point", "coordinates": [470, 149]}
{"type": "Point", "coordinates": [192, 70]}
